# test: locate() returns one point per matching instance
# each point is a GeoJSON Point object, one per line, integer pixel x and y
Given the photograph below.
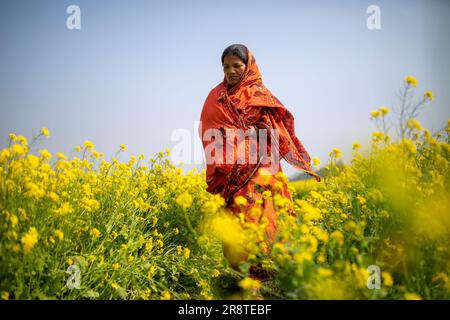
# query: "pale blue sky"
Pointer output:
{"type": "Point", "coordinates": [138, 70]}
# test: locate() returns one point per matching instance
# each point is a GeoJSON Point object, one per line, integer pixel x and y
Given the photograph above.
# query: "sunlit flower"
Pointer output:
{"type": "Point", "coordinates": [18, 149]}
{"type": "Point", "coordinates": [387, 279]}
{"type": "Point", "coordinates": [30, 239]}
{"type": "Point", "coordinates": [356, 146]}
{"type": "Point", "coordinates": [215, 273]}
{"type": "Point", "coordinates": [409, 146]}
{"type": "Point", "coordinates": [384, 110]}
{"type": "Point", "coordinates": [59, 234]}
{"type": "Point", "coordinates": [266, 194]}
{"type": "Point", "coordinates": [4, 295]}
{"type": "Point", "coordinates": [324, 272]}
{"type": "Point", "coordinates": [337, 153]}
{"type": "Point", "coordinates": [240, 201]}
{"type": "Point", "coordinates": [95, 233]}
{"type": "Point", "coordinates": [166, 295]}
{"type": "Point", "coordinates": [411, 80]}
{"type": "Point", "coordinates": [45, 154]}
{"type": "Point", "coordinates": [412, 296]}
{"type": "Point", "coordinates": [249, 284]}
{"type": "Point", "coordinates": [429, 95]}
{"type": "Point", "coordinates": [88, 145]}
{"type": "Point", "coordinates": [61, 156]}
{"type": "Point", "coordinates": [377, 136]}
{"type": "Point", "coordinates": [14, 220]}
{"type": "Point", "coordinates": [338, 237]}
{"type": "Point", "coordinates": [64, 209]}
{"type": "Point", "coordinates": [414, 124]}
{"type": "Point", "coordinates": [186, 253]}
{"type": "Point", "coordinates": [23, 141]}
{"type": "Point", "coordinates": [375, 114]}
{"type": "Point", "coordinates": [315, 161]}
{"type": "Point", "coordinates": [184, 200]}
{"type": "Point", "coordinates": [45, 132]}
{"type": "Point", "coordinates": [4, 155]}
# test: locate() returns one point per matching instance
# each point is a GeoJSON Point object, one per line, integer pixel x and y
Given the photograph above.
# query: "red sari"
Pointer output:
{"type": "Point", "coordinates": [249, 105]}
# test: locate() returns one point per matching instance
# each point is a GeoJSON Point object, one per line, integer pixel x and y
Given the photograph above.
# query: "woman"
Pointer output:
{"type": "Point", "coordinates": [241, 103]}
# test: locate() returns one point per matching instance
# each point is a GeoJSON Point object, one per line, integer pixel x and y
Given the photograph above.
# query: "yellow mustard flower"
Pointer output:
{"type": "Point", "coordinates": [315, 161]}
{"type": "Point", "coordinates": [59, 234]}
{"type": "Point", "coordinates": [45, 132]}
{"type": "Point", "coordinates": [429, 95]}
{"type": "Point", "coordinates": [186, 253]}
{"type": "Point", "coordinates": [337, 153]}
{"type": "Point", "coordinates": [95, 233]}
{"type": "Point", "coordinates": [249, 284]}
{"type": "Point", "coordinates": [215, 273]}
{"type": "Point", "coordinates": [356, 146]}
{"type": "Point", "coordinates": [22, 140]}
{"type": "Point", "coordinates": [45, 154]}
{"type": "Point", "coordinates": [5, 295]}
{"type": "Point", "coordinates": [325, 272]}
{"type": "Point", "coordinates": [414, 124]}
{"type": "Point", "coordinates": [375, 114]}
{"type": "Point", "coordinates": [240, 201]}
{"type": "Point", "coordinates": [88, 145]}
{"type": "Point", "coordinates": [384, 110]}
{"type": "Point", "coordinates": [412, 296]}
{"type": "Point", "coordinates": [30, 239]}
{"type": "Point", "coordinates": [266, 194]}
{"type": "Point", "coordinates": [165, 295]}
{"type": "Point", "coordinates": [61, 156]}
{"type": "Point", "coordinates": [184, 200]}
{"type": "Point", "coordinates": [14, 220]}
{"type": "Point", "coordinates": [387, 279]}
{"type": "Point", "coordinates": [18, 149]}
{"type": "Point", "coordinates": [411, 81]}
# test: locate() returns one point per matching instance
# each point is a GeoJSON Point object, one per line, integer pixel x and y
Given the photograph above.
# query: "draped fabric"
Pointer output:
{"type": "Point", "coordinates": [248, 106]}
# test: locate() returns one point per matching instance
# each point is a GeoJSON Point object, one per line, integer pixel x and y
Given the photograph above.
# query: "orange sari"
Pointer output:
{"type": "Point", "coordinates": [250, 105]}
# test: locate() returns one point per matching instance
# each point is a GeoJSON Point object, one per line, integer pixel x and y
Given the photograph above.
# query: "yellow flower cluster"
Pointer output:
{"type": "Point", "coordinates": [120, 220]}
{"type": "Point", "coordinates": [140, 230]}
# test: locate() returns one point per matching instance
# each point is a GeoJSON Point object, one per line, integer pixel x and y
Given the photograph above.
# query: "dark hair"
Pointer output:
{"type": "Point", "coordinates": [238, 50]}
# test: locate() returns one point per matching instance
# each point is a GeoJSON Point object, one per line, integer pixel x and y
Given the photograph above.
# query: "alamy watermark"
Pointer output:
{"type": "Point", "coordinates": [73, 21]}
{"type": "Point", "coordinates": [374, 279]}
{"type": "Point", "coordinates": [228, 146]}
{"type": "Point", "coordinates": [373, 22]}
{"type": "Point", "coordinates": [74, 280]}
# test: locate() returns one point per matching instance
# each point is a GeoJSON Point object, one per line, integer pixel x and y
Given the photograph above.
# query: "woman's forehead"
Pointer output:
{"type": "Point", "coordinates": [232, 59]}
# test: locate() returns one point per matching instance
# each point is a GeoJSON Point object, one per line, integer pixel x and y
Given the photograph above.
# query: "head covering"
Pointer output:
{"type": "Point", "coordinates": [248, 104]}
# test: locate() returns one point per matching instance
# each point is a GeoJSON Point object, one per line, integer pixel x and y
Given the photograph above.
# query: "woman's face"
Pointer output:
{"type": "Point", "coordinates": [234, 69]}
